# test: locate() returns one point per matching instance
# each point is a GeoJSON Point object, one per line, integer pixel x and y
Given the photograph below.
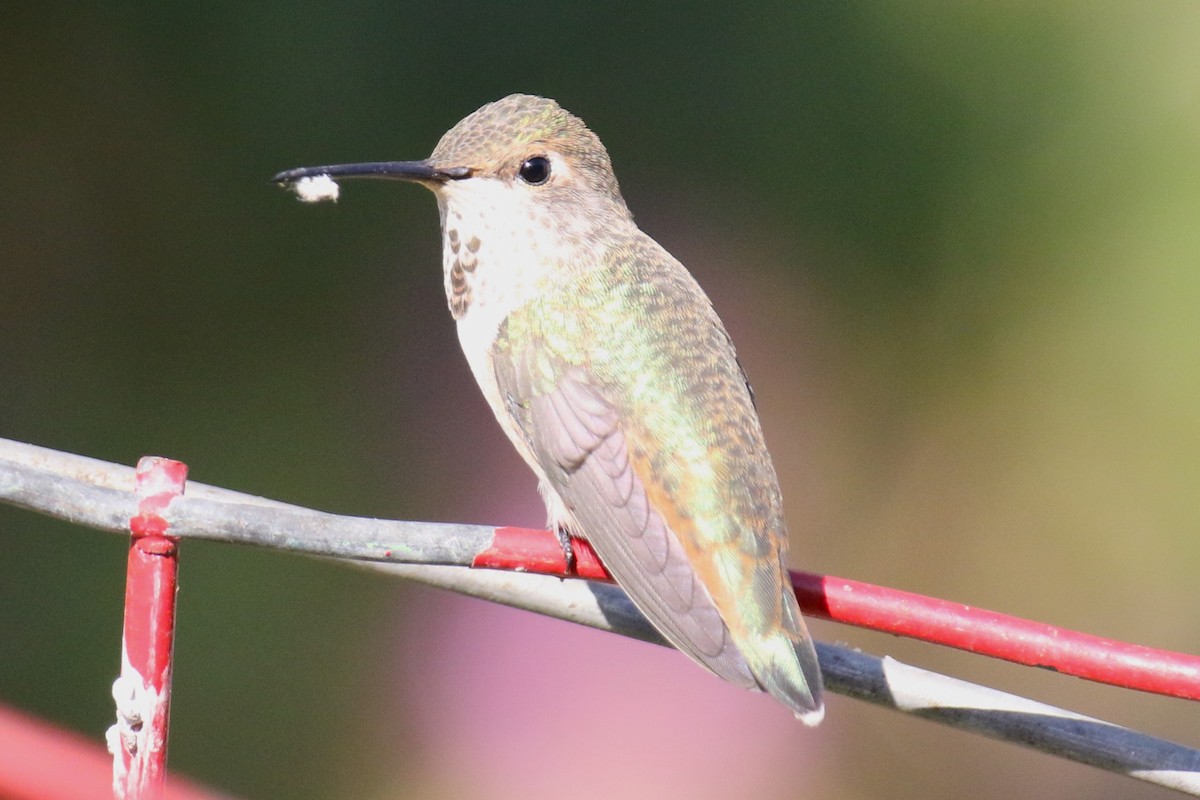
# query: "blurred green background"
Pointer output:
{"type": "Point", "coordinates": [958, 246]}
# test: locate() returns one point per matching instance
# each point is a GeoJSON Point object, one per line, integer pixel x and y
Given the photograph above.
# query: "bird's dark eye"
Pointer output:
{"type": "Point", "coordinates": [536, 170]}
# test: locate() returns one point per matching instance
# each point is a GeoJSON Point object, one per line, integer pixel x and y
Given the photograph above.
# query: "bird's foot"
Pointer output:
{"type": "Point", "coordinates": [564, 541]}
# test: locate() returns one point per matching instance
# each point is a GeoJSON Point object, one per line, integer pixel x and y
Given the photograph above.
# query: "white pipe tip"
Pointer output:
{"type": "Point", "coordinates": [316, 189]}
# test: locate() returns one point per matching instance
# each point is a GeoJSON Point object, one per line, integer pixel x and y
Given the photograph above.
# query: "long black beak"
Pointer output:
{"type": "Point", "coordinates": [418, 171]}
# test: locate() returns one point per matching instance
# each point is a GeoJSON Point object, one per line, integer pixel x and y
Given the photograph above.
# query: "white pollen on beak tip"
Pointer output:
{"type": "Point", "coordinates": [316, 189]}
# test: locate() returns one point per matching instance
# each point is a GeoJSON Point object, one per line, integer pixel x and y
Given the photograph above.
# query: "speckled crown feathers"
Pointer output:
{"type": "Point", "coordinates": [499, 136]}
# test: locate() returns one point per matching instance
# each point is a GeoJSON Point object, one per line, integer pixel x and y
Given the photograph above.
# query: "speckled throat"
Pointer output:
{"type": "Point", "coordinates": [461, 260]}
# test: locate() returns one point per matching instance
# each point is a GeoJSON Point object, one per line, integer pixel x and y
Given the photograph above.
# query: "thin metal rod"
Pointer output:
{"type": "Point", "coordinates": [99, 495]}
{"type": "Point", "coordinates": [86, 491]}
{"type": "Point", "coordinates": [138, 741]}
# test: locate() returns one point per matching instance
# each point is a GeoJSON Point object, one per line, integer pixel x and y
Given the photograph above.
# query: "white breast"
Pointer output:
{"type": "Point", "coordinates": [495, 255]}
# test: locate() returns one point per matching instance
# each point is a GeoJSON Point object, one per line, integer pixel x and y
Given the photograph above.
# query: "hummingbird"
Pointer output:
{"type": "Point", "coordinates": [615, 380]}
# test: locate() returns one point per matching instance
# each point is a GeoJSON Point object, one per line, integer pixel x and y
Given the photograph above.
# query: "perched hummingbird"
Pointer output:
{"type": "Point", "coordinates": [607, 367]}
